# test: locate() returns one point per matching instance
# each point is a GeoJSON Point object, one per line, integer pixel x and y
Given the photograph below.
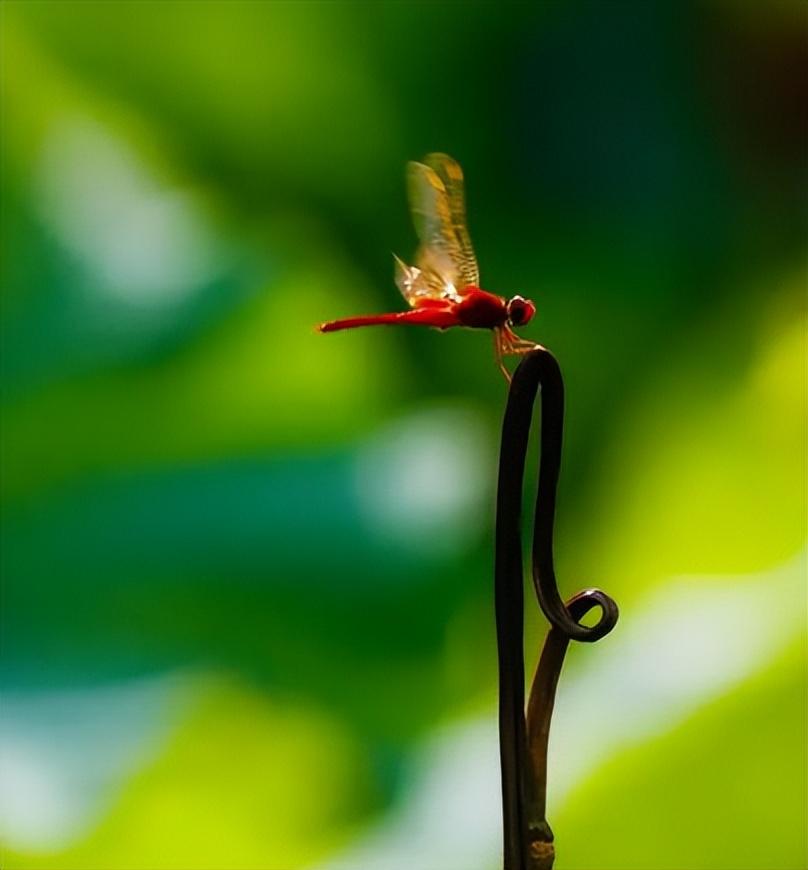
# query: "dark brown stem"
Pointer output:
{"type": "Point", "coordinates": [523, 744]}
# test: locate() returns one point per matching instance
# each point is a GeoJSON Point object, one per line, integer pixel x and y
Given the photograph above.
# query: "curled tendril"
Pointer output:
{"type": "Point", "coordinates": [523, 742]}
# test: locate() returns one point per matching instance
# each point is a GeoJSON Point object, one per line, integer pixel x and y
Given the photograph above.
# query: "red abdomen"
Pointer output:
{"type": "Point", "coordinates": [481, 310]}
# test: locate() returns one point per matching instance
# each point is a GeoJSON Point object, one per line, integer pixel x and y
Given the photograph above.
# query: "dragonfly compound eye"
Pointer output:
{"type": "Point", "coordinates": [520, 311]}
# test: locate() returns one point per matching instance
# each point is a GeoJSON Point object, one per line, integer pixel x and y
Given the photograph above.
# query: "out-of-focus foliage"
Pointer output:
{"type": "Point", "coordinates": [246, 569]}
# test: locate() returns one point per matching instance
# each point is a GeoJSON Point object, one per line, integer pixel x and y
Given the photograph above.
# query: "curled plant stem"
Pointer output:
{"type": "Point", "coordinates": [528, 839]}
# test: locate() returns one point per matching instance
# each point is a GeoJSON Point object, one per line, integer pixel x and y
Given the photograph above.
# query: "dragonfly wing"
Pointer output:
{"type": "Point", "coordinates": [439, 255]}
{"type": "Point", "coordinates": [416, 283]}
{"type": "Point", "coordinates": [451, 176]}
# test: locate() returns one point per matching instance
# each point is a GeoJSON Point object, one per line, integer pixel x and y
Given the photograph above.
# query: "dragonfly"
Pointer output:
{"type": "Point", "coordinates": [442, 288]}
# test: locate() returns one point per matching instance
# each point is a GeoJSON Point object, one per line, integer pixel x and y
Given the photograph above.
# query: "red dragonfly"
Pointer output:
{"type": "Point", "coordinates": [442, 287]}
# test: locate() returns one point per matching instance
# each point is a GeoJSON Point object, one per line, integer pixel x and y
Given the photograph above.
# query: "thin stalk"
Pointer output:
{"type": "Point", "coordinates": [528, 839]}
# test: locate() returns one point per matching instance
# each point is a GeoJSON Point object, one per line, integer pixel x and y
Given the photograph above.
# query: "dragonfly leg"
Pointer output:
{"type": "Point", "coordinates": [498, 354]}
{"type": "Point", "coordinates": [524, 347]}
{"type": "Point", "coordinates": [512, 344]}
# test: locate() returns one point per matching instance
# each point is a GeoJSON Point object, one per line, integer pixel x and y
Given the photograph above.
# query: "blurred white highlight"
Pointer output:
{"type": "Point", "coordinates": [65, 754]}
{"type": "Point", "coordinates": [140, 241]}
{"type": "Point", "coordinates": [423, 481]}
{"type": "Point", "coordinates": [688, 643]}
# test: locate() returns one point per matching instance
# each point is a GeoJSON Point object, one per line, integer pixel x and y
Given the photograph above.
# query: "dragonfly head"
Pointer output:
{"type": "Point", "coordinates": [520, 311]}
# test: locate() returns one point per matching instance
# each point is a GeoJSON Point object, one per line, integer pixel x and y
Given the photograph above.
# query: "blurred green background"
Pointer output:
{"type": "Point", "coordinates": [247, 569]}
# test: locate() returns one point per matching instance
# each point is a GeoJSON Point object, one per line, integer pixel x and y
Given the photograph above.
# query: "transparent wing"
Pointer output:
{"type": "Point", "coordinates": [437, 261]}
{"type": "Point", "coordinates": [451, 175]}
{"type": "Point", "coordinates": [425, 281]}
